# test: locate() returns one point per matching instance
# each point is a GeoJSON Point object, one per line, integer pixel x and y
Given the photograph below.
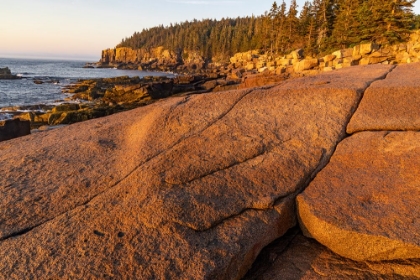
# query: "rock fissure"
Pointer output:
{"type": "Point", "coordinates": [325, 159]}
{"type": "Point", "coordinates": [263, 151]}
{"type": "Point", "coordinates": [276, 201]}
{"type": "Point", "coordinates": [237, 176]}
{"type": "Point", "coordinates": [247, 92]}
{"type": "Point", "coordinates": [29, 229]}
{"type": "Point", "coordinates": [364, 91]}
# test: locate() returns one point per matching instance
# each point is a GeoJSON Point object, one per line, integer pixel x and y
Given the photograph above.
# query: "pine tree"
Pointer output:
{"type": "Point", "coordinates": [272, 15]}
{"type": "Point", "coordinates": [292, 24]}
{"type": "Point", "coordinates": [325, 16]}
{"type": "Point", "coordinates": [398, 20]}
{"type": "Point", "coordinates": [281, 28]}
{"type": "Point", "coordinates": [345, 30]}
{"type": "Point", "coordinates": [368, 26]}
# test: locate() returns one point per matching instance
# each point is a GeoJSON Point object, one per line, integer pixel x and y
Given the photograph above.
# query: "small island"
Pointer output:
{"type": "Point", "coordinates": [6, 74]}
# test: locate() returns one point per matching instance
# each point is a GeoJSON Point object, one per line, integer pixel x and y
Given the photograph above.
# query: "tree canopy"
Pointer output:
{"type": "Point", "coordinates": [321, 26]}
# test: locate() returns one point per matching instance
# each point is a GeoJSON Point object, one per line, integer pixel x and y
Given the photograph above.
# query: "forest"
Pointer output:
{"type": "Point", "coordinates": [317, 27]}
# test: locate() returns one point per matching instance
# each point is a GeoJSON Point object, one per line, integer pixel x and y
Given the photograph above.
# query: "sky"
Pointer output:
{"type": "Point", "coordinates": [80, 29]}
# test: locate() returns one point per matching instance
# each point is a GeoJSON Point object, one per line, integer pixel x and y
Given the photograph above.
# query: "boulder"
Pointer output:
{"type": "Point", "coordinates": [187, 188]}
{"type": "Point", "coordinates": [390, 104]}
{"type": "Point", "coordinates": [364, 49]}
{"type": "Point", "coordinates": [306, 64]}
{"type": "Point", "coordinates": [403, 57]}
{"type": "Point", "coordinates": [284, 62]}
{"type": "Point", "coordinates": [295, 256]}
{"type": "Point", "coordinates": [338, 54]}
{"type": "Point", "coordinates": [10, 129]}
{"type": "Point", "coordinates": [347, 52]}
{"type": "Point", "coordinates": [250, 66]}
{"type": "Point", "coordinates": [297, 54]}
{"type": "Point", "coordinates": [364, 205]}
{"type": "Point", "coordinates": [364, 61]}
{"type": "Point", "coordinates": [209, 85]}
{"type": "Point", "coordinates": [329, 57]}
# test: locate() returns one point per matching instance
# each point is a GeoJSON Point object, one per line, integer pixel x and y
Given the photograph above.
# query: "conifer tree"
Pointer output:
{"type": "Point", "coordinates": [292, 24]}
{"type": "Point", "coordinates": [398, 20]}
{"type": "Point", "coordinates": [345, 29]}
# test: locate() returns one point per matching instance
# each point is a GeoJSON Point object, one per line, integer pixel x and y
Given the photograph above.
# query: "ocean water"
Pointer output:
{"type": "Point", "coordinates": [55, 74]}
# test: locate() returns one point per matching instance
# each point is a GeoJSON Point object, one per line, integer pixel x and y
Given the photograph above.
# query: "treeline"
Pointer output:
{"type": "Point", "coordinates": [321, 26]}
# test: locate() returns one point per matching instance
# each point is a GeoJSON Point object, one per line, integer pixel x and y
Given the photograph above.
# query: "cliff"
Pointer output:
{"type": "Point", "coordinates": [156, 58]}
{"type": "Point", "coordinates": [195, 187]}
{"type": "Point", "coordinates": [255, 61]}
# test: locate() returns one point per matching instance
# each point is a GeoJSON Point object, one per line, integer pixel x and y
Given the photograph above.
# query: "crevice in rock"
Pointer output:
{"type": "Point", "coordinates": [271, 253]}
{"type": "Point", "coordinates": [19, 233]}
{"type": "Point", "coordinates": [262, 151]}
{"type": "Point", "coordinates": [221, 116]}
{"type": "Point", "coordinates": [383, 77]}
{"type": "Point", "coordinates": [323, 161]}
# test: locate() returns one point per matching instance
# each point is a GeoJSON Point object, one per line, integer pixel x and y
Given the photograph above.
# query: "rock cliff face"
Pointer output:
{"type": "Point", "coordinates": [255, 61]}
{"type": "Point", "coordinates": [194, 187]}
{"type": "Point", "coordinates": [157, 58]}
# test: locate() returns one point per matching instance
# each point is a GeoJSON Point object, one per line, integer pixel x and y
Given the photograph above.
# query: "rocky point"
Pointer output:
{"type": "Point", "coordinates": [195, 186]}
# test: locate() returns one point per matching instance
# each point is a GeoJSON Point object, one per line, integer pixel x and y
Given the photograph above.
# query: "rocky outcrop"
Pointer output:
{"type": "Point", "coordinates": [391, 104]}
{"type": "Point", "coordinates": [296, 63]}
{"type": "Point", "coordinates": [108, 96]}
{"type": "Point", "coordinates": [186, 188]}
{"type": "Point", "coordinates": [10, 129]}
{"type": "Point", "coordinates": [297, 257]}
{"type": "Point", "coordinates": [256, 61]}
{"type": "Point", "coordinates": [364, 205]}
{"type": "Point", "coordinates": [155, 59]}
{"type": "Point", "coordinates": [6, 74]}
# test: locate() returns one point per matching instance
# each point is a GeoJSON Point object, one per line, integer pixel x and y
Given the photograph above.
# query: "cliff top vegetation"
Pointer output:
{"type": "Point", "coordinates": [319, 27]}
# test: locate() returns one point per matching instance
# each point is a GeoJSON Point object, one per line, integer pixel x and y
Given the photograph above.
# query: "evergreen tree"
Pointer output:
{"type": "Point", "coordinates": [398, 20]}
{"type": "Point", "coordinates": [322, 25]}
{"type": "Point", "coordinates": [345, 32]}
{"type": "Point", "coordinates": [292, 24]}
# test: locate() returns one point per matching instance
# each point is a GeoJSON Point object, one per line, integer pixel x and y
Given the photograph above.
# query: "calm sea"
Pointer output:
{"type": "Point", "coordinates": [55, 74]}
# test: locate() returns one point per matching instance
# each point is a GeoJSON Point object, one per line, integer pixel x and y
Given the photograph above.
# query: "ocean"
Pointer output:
{"type": "Point", "coordinates": [55, 74]}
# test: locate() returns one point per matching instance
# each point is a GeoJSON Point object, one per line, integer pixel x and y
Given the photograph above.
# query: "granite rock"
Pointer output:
{"type": "Point", "coordinates": [390, 104]}
{"type": "Point", "coordinates": [295, 256]}
{"type": "Point", "coordinates": [186, 188]}
{"type": "Point", "coordinates": [365, 204]}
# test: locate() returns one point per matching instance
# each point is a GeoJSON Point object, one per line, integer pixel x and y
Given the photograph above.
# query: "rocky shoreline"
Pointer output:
{"type": "Point", "coordinates": [94, 98]}
{"type": "Point", "coordinates": [195, 186]}
{"type": "Point", "coordinates": [296, 62]}
{"type": "Point", "coordinates": [102, 97]}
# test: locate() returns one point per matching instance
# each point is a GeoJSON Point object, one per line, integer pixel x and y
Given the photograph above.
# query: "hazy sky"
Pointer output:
{"type": "Point", "coordinates": [80, 29]}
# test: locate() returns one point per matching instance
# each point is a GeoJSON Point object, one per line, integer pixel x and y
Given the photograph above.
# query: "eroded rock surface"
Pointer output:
{"type": "Point", "coordinates": [186, 188]}
{"type": "Point", "coordinates": [365, 204]}
{"type": "Point", "coordinates": [390, 104]}
{"type": "Point", "coordinates": [295, 256]}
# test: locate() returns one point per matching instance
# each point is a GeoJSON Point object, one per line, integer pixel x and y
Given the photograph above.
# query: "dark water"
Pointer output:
{"type": "Point", "coordinates": [55, 74]}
